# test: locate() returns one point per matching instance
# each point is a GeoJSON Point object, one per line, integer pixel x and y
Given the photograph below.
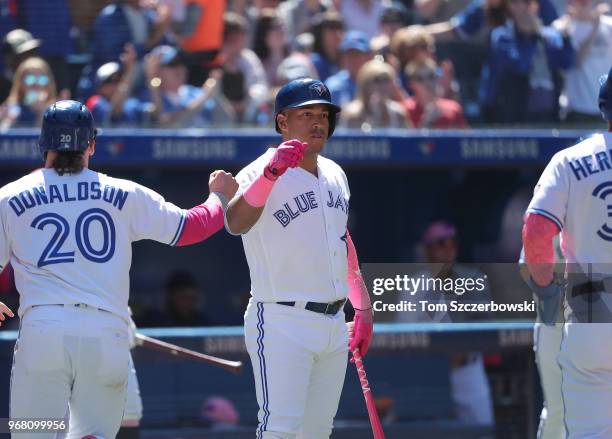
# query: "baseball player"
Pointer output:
{"type": "Point", "coordinates": [67, 231]}
{"type": "Point", "coordinates": [132, 414]}
{"type": "Point", "coordinates": [130, 424]}
{"type": "Point", "coordinates": [546, 346]}
{"type": "Point", "coordinates": [291, 210]}
{"type": "Point", "coordinates": [570, 198]}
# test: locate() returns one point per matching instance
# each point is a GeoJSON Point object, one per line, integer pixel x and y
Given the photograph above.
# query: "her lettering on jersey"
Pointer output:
{"type": "Point", "coordinates": [38, 196]}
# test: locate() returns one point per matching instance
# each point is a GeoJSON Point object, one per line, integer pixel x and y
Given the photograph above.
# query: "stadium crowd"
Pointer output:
{"type": "Point", "coordinates": [397, 64]}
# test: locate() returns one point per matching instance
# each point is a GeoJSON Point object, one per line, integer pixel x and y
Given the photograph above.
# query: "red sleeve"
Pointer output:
{"type": "Point", "coordinates": [538, 234]}
{"type": "Point", "coordinates": [201, 222]}
{"type": "Point", "coordinates": [92, 102]}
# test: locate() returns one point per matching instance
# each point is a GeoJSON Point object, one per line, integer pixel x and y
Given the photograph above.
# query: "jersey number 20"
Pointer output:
{"type": "Point", "coordinates": [53, 253]}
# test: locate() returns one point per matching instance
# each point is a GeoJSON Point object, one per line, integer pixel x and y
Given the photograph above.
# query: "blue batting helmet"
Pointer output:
{"type": "Point", "coordinates": [67, 126]}
{"type": "Point", "coordinates": [302, 92]}
{"type": "Point", "coordinates": [605, 96]}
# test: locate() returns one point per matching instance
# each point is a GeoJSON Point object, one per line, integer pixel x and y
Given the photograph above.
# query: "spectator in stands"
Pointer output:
{"type": "Point", "coordinates": [437, 11]}
{"type": "Point", "coordinates": [83, 15]}
{"type": "Point", "coordinates": [295, 66]}
{"type": "Point", "coordinates": [176, 103]}
{"type": "Point", "coordinates": [297, 15]}
{"type": "Point", "coordinates": [112, 104]}
{"type": "Point", "coordinates": [525, 56]}
{"type": "Point", "coordinates": [201, 35]}
{"type": "Point", "coordinates": [183, 301]}
{"type": "Point", "coordinates": [393, 17]}
{"type": "Point", "coordinates": [17, 46]}
{"type": "Point", "coordinates": [415, 44]}
{"type": "Point", "coordinates": [481, 15]}
{"type": "Point", "coordinates": [251, 13]}
{"type": "Point", "coordinates": [120, 23]}
{"type": "Point", "coordinates": [244, 88]}
{"type": "Point", "coordinates": [355, 53]}
{"type": "Point", "coordinates": [127, 21]}
{"type": "Point", "coordinates": [33, 90]}
{"type": "Point", "coordinates": [425, 108]}
{"type": "Point", "coordinates": [470, 388]}
{"type": "Point", "coordinates": [590, 31]}
{"type": "Point", "coordinates": [328, 30]}
{"type": "Point", "coordinates": [270, 44]}
{"type": "Point", "coordinates": [220, 413]}
{"type": "Point", "coordinates": [51, 22]}
{"type": "Point", "coordinates": [8, 17]}
{"type": "Point", "coordinates": [362, 15]}
{"type": "Point", "coordinates": [304, 43]}
{"type": "Point", "coordinates": [374, 106]}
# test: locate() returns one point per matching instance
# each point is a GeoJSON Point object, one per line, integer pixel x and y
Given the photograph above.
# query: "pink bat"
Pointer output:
{"type": "Point", "coordinates": [367, 394]}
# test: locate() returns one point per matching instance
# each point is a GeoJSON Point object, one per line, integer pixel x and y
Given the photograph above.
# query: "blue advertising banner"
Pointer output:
{"type": "Point", "coordinates": [382, 148]}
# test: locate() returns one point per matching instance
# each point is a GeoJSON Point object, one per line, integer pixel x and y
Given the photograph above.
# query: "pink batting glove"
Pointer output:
{"type": "Point", "coordinates": [361, 334]}
{"type": "Point", "coordinates": [288, 154]}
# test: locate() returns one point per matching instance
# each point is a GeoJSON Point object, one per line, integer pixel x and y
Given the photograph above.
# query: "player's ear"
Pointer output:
{"type": "Point", "coordinates": [281, 120]}
{"type": "Point", "coordinates": [92, 147]}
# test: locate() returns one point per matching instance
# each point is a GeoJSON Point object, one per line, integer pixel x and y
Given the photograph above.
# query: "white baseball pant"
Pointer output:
{"type": "Point", "coordinates": [76, 357]}
{"type": "Point", "coordinates": [299, 362]}
{"type": "Point", "coordinates": [586, 369]}
{"type": "Point", "coordinates": [546, 345]}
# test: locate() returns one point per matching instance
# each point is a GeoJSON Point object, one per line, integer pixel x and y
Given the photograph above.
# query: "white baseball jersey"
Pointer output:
{"type": "Point", "coordinates": [297, 250]}
{"type": "Point", "coordinates": [69, 237]}
{"type": "Point", "coordinates": [575, 192]}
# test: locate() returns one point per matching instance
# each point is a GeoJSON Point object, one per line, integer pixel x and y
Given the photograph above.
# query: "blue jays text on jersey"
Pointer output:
{"type": "Point", "coordinates": [306, 202]}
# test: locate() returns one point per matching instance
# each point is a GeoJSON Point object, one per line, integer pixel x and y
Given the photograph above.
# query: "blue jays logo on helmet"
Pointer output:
{"type": "Point", "coordinates": [302, 92]}
{"type": "Point", "coordinates": [319, 88]}
{"type": "Point", "coordinates": [67, 126]}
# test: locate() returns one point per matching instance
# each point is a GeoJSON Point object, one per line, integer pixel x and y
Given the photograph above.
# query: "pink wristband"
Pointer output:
{"type": "Point", "coordinates": [258, 192]}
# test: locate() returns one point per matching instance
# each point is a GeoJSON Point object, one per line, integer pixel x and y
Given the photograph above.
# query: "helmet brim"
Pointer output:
{"type": "Point", "coordinates": [333, 107]}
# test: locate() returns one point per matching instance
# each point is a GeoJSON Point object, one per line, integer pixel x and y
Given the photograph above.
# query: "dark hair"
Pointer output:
{"type": "Point", "coordinates": [233, 24]}
{"type": "Point", "coordinates": [266, 21]}
{"type": "Point", "coordinates": [497, 15]}
{"type": "Point", "coordinates": [68, 162]}
{"type": "Point", "coordinates": [320, 22]}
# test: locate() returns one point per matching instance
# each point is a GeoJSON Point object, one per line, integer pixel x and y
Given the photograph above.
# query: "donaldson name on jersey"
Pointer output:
{"type": "Point", "coordinates": [84, 190]}
{"type": "Point", "coordinates": [69, 238]}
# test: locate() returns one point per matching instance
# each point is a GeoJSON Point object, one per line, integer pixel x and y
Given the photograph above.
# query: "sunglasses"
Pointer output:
{"type": "Point", "coordinates": [32, 79]}
{"type": "Point", "coordinates": [425, 77]}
